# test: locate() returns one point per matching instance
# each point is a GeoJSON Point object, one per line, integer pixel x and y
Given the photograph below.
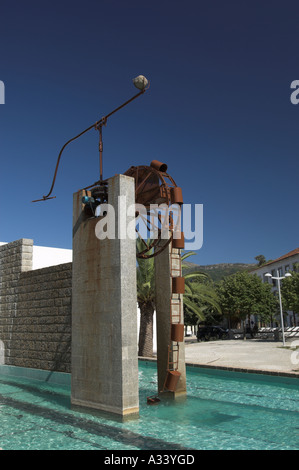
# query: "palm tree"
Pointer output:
{"type": "Point", "coordinates": [198, 296]}
{"type": "Point", "coordinates": [146, 301]}
{"type": "Point", "coordinates": [201, 300]}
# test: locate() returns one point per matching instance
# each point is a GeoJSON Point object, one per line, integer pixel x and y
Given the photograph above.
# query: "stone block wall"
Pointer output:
{"type": "Point", "coordinates": [35, 310]}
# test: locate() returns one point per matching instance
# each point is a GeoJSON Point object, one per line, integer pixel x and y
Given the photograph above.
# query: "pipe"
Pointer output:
{"type": "Point", "coordinates": [97, 126]}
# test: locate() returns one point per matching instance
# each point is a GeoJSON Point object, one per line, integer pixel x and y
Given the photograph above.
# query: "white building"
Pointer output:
{"type": "Point", "coordinates": [278, 268]}
{"type": "Point", "coordinates": [44, 256]}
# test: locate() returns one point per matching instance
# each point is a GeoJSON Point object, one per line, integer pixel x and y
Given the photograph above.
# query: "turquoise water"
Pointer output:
{"type": "Point", "coordinates": [223, 410]}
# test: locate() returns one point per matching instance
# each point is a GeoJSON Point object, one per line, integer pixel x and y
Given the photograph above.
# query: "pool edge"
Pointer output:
{"type": "Point", "coordinates": [294, 375]}
{"type": "Point", "coordinates": [64, 378]}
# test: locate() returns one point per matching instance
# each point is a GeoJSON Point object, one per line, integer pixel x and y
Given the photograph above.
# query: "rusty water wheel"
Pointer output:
{"type": "Point", "coordinates": [153, 186]}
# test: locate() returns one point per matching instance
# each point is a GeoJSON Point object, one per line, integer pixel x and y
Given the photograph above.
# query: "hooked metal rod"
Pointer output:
{"type": "Point", "coordinates": [97, 126]}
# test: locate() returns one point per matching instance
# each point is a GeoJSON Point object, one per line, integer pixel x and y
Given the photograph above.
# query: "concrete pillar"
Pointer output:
{"type": "Point", "coordinates": [166, 266]}
{"type": "Point", "coordinates": [104, 316]}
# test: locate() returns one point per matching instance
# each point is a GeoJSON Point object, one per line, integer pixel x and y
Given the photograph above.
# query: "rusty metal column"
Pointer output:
{"type": "Point", "coordinates": [164, 295]}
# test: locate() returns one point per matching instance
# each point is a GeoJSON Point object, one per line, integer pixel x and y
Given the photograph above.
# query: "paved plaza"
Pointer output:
{"type": "Point", "coordinates": [251, 355]}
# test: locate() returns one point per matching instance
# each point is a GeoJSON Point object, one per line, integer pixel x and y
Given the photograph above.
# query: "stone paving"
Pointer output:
{"type": "Point", "coordinates": [246, 355]}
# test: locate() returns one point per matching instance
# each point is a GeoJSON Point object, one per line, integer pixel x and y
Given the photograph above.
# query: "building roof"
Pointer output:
{"type": "Point", "coordinates": [287, 255]}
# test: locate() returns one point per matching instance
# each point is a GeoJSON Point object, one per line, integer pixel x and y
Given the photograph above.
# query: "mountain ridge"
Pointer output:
{"type": "Point", "coordinates": [218, 271]}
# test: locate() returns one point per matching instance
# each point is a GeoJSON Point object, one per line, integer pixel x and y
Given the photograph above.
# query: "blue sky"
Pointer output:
{"type": "Point", "coordinates": [218, 112]}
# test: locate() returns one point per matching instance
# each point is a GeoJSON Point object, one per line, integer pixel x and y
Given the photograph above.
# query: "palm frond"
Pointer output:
{"type": "Point", "coordinates": [187, 254]}
{"type": "Point", "coordinates": [194, 308]}
{"type": "Point", "coordinates": [196, 275]}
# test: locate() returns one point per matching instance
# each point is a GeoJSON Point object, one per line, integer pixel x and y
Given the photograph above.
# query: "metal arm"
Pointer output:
{"type": "Point", "coordinates": [97, 125]}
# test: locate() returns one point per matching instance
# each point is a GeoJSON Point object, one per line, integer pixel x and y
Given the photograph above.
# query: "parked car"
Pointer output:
{"type": "Point", "coordinates": [205, 333]}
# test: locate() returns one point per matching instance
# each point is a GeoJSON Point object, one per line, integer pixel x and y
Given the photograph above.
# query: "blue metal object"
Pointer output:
{"type": "Point", "coordinates": [88, 200]}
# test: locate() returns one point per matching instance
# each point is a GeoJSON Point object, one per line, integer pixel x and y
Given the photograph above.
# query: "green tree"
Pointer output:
{"type": "Point", "coordinates": [243, 294]}
{"type": "Point", "coordinates": [290, 294]}
{"type": "Point", "coordinates": [261, 260]}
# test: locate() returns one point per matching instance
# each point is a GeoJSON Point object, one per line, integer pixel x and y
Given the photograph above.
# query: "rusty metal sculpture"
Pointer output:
{"type": "Point", "coordinates": [153, 187]}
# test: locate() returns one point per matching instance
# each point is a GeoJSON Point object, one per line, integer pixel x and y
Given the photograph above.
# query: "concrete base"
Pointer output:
{"type": "Point", "coordinates": [84, 405]}
{"type": "Point", "coordinates": [104, 317]}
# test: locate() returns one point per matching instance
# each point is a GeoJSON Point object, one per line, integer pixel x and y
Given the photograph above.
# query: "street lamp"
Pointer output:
{"type": "Point", "coordinates": [279, 294]}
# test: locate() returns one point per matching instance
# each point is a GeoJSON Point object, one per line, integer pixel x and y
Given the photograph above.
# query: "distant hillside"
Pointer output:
{"type": "Point", "coordinates": [219, 271]}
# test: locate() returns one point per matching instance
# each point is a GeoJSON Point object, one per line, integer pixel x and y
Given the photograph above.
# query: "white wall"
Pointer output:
{"type": "Point", "coordinates": [283, 264]}
{"type": "Point", "coordinates": [154, 328]}
{"type": "Point", "coordinates": [44, 256]}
